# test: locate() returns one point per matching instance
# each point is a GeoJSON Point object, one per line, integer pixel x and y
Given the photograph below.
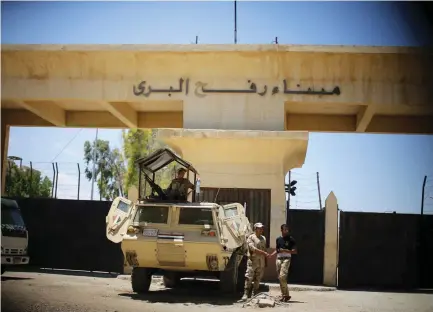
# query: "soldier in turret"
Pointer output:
{"type": "Point", "coordinates": [256, 261]}
{"type": "Point", "coordinates": [178, 188]}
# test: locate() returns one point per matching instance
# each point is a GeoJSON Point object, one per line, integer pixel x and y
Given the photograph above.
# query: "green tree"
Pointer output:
{"type": "Point", "coordinates": [109, 168]}
{"type": "Point", "coordinates": [163, 177]}
{"type": "Point", "coordinates": [23, 182]}
{"type": "Point", "coordinates": [138, 143]}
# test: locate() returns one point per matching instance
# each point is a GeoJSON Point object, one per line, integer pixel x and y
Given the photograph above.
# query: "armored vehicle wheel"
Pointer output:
{"type": "Point", "coordinates": [230, 276]}
{"type": "Point", "coordinates": [170, 281]}
{"type": "Point", "coordinates": [141, 278]}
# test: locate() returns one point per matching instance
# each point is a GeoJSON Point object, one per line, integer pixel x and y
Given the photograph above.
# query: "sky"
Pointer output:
{"type": "Point", "coordinates": [380, 173]}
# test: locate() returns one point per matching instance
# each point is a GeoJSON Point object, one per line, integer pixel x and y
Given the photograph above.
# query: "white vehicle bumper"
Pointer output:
{"type": "Point", "coordinates": [14, 260]}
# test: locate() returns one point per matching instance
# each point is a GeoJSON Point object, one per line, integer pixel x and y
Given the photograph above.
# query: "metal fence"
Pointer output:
{"type": "Point", "coordinates": [385, 250]}
{"type": "Point", "coordinates": [308, 190]}
{"type": "Point", "coordinates": [68, 180]}
{"type": "Point", "coordinates": [75, 237]}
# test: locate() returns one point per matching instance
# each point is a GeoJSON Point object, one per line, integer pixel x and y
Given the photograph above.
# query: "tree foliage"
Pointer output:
{"type": "Point", "coordinates": [24, 182]}
{"type": "Point", "coordinates": [109, 168]}
{"type": "Point", "coordinates": [138, 143]}
{"type": "Point", "coordinates": [116, 170]}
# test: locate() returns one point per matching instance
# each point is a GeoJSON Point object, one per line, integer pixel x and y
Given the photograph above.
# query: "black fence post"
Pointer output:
{"type": "Point", "coordinates": [57, 180]}
{"type": "Point", "coordinates": [79, 180]}
{"type": "Point", "coordinates": [54, 181]}
{"type": "Point", "coordinates": [31, 180]}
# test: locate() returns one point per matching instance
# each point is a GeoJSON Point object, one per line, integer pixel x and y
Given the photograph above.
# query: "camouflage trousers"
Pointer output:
{"type": "Point", "coordinates": [254, 273]}
{"type": "Point", "coordinates": [283, 266]}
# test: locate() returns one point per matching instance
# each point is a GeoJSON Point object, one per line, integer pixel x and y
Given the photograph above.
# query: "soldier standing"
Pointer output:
{"type": "Point", "coordinates": [256, 260]}
{"type": "Point", "coordinates": [285, 248]}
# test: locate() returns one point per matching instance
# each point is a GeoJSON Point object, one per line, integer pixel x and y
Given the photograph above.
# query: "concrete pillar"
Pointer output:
{"type": "Point", "coordinates": [242, 159]}
{"type": "Point", "coordinates": [330, 262]}
{"type": "Point", "coordinates": [4, 153]}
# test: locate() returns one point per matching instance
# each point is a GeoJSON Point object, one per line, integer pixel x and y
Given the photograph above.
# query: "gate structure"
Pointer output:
{"type": "Point", "coordinates": [378, 250]}
{"type": "Point", "coordinates": [425, 252]}
{"type": "Point", "coordinates": [70, 234]}
{"type": "Point", "coordinates": [308, 229]}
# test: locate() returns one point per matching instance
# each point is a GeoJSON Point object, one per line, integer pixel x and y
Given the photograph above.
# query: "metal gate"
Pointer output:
{"type": "Point", "coordinates": [70, 234]}
{"type": "Point", "coordinates": [425, 251]}
{"type": "Point", "coordinates": [378, 250]}
{"type": "Point", "coordinates": [258, 202]}
{"type": "Point", "coordinates": [308, 229]}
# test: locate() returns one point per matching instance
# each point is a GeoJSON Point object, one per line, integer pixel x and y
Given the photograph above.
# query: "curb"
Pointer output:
{"type": "Point", "coordinates": [270, 285]}
{"type": "Point", "coordinates": [301, 287]}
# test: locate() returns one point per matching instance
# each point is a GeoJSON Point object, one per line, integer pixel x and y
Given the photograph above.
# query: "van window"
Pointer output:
{"type": "Point", "coordinates": [11, 216]}
{"type": "Point", "coordinates": [152, 215]}
{"type": "Point", "coordinates": [195, 216]}
{"type": "Point", "coordinates": [231, 212]}
{"type": "Point", "coordinates": [123, 206]}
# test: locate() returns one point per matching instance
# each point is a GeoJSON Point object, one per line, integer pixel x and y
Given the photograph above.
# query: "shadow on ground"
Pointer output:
{"type": "Point", "coordinates": [190, 292]}
{"type": "Point", "coordinates": [15, 278]}
{"type": "Point", "coordinates": [65, 272]}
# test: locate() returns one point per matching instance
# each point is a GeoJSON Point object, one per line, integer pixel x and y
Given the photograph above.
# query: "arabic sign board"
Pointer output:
{"type": "Point", "coordinates": [142, 89]}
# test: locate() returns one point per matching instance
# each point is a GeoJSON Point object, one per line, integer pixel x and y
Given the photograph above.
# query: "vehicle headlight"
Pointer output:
{"type": "Point", "coordinates": [133, 230]}
{"type": "Point", "coordinates": [214, 264]}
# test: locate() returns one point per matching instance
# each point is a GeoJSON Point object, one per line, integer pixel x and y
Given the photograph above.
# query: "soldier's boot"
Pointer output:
{"type": "Point", "coordinates": [256, 291]}
{"type": "Point", "coordinates": [247, 294]}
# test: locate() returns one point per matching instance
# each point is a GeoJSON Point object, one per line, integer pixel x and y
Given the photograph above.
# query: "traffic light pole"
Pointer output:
{"type": "Point", "coordinates": [288, 201]}
{"type": "Point", "coordinates": [290, 190]}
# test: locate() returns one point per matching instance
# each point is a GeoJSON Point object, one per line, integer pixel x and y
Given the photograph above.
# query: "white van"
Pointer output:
{"type": "Point", "coordinates": [15, 237]}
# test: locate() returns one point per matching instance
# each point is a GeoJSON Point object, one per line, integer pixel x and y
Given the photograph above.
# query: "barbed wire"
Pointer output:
{"type": "Point", "coordinates": [68, 180]}
{"type": "Point", "coordinates": [428, 195]}
{"type": "Point", "coordinates": [307, 190]}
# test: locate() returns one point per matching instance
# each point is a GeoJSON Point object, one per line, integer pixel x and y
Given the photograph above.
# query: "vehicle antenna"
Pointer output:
{"type": "Point", "coordinates": [216, 196]}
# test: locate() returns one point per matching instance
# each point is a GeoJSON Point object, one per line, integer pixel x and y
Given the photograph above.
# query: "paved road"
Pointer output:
{"type": "Point", "coordinates": [31, 292]}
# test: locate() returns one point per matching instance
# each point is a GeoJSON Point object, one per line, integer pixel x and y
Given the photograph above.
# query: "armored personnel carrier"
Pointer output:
{"type": "Point", "coordinates": [172, 236]}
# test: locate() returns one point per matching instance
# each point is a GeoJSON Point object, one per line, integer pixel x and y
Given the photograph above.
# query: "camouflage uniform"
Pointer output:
{"type": "Point", "coordinates": [255, 264]}
{"type": "Point", "coordinates": [286, 242]}
{"type": "Point", "coordinates": [283, 266]}
{"type": "Point", "coordinates": [179, 188]}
